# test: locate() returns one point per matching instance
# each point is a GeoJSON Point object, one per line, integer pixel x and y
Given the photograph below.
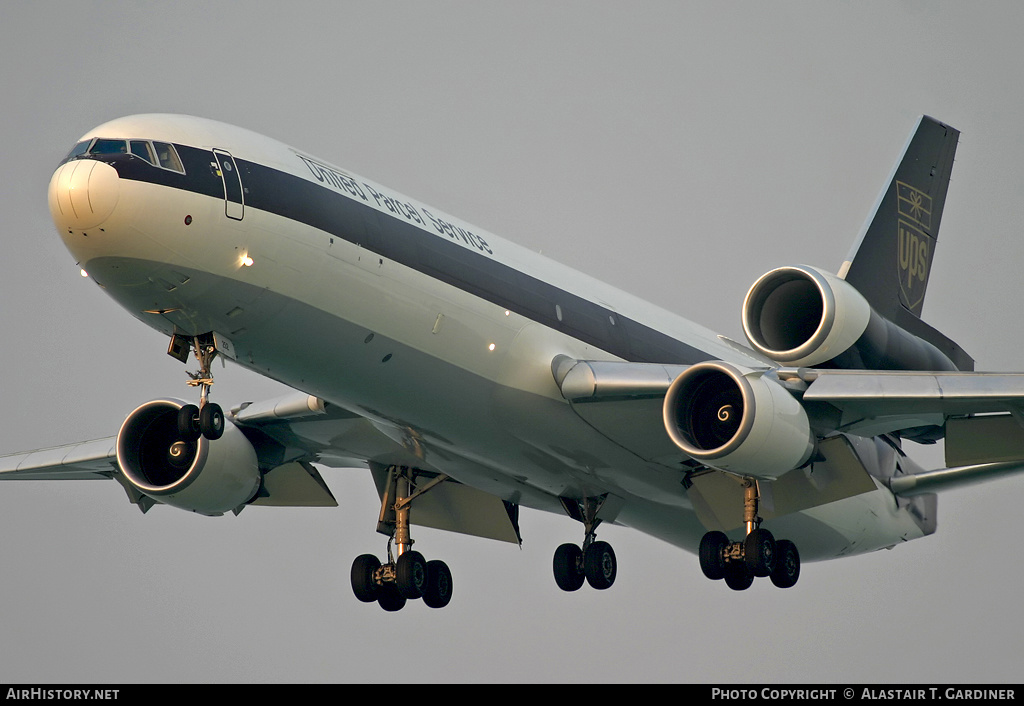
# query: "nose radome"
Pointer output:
{"type": "Point", "coordinates": [83, 192]}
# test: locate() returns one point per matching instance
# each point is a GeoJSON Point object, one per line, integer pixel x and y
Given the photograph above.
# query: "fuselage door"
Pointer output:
{"type": "Point", "coordinates": [234, 204]}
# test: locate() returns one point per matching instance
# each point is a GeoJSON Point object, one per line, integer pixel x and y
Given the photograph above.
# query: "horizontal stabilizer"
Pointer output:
{"type": "Point", "coordinates": [949, 478]}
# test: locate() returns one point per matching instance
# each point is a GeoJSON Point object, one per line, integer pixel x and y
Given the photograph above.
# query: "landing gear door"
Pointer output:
{"type": "Point", "coordinates": [234, 204]}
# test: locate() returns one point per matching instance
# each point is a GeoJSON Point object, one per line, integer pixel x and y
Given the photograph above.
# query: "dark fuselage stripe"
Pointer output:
{"type": "Point", "coordinates": [470, 268]}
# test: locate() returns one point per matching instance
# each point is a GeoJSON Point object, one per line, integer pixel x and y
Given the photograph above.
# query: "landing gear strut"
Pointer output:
{"type": "Point", "coordinates": [208, 418]}
{"type": "Point", "coordinates": [758, 555]}
{"type": "Point", "coordinates": [595, 561]}
{"type": "Point", "coordinates": [409, 576]}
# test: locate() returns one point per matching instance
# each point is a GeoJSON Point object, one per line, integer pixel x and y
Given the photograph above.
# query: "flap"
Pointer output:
{"type": "Point", "coordinates": [294, 485]}
{"type": "Point", "coordinates": [454, 507]}
{"type": "Point", "coordinates": [718, 497]}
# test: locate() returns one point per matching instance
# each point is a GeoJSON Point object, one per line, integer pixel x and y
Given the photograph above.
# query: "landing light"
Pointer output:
{"type": "Point", "coordinates": [84, 273]}
{"type": "Point", "coordinates": [247, 261]}
{"type": "Point", "coordinates": [490, 347]}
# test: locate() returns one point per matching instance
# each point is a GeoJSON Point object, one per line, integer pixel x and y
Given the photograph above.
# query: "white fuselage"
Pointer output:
{"type": "Point", "coordinates": [438, 332]}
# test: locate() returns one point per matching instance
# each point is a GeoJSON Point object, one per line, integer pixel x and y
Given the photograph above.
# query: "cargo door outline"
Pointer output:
{"type": "Point", "coordinates": [234, 202]}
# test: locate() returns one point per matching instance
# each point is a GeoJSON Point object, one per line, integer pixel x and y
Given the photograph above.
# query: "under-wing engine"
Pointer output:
{"type": "Point", "coordinates": [737, 420]}
{"type": "Point", "coordinates": [209, 478]}
{"type": "Point", "coordinates": [803, 316]}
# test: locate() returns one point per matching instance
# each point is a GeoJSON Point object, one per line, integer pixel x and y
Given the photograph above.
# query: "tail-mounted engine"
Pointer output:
{"type": "Point", "coordinates": [737, 420]}
{"type": "Point", "coordinates": [207, 477]}
{"type": "Point", "coordinates": [803, 316]}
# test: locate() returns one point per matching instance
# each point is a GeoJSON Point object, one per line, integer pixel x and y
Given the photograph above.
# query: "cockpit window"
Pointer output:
{"type": "Point", "coordinates": [108, 147]}
{"type": "Point", "coordinates": [168, 157]}
{"type": "Point", "coordinates": [141, 148]}
{"type": "Point", "coordinates": [159, 154]}
{"type": "Point", "coordinates": [77, 150]}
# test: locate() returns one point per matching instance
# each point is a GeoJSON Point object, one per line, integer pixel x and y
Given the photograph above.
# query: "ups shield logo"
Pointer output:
{"type": "Point", "coordinates": [915, 245]}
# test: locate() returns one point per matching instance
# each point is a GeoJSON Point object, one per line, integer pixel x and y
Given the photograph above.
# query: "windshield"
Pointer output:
{"type": "Point", "coordinates": [159, 154]}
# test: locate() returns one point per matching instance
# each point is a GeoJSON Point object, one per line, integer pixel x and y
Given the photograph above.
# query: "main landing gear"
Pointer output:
{"type": "Point", "coordinates": [207, 419]}
{"type": "Point", "coordinates": [594, 562]}
{"type": "Point", "coordinates": [758, 555]}
{"type": "Point", "coordinates": [410, 576]}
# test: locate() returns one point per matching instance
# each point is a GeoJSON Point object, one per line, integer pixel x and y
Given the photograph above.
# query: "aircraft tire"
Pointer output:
{"type": "Point", "coordinates": [787, 564]}
{"type": "Point", "coordinates": [363, 585]}
{"type": "Point", "coordinates": [712, 554]}
{"type": "Point", "coordinates": [568, 567]}
{"type": "Point", "coordinates": [600, 566]}
{"type": "Point", "coordinates": [759, 552]}
{"type": "Point", "coordinates": [439, 584]}
{"type": "Point", "coordinates": [411, 575]}
{"type": "Point", "coordinates": [390, 599]}
{"type": "Point", "coordinates": [188, 423]}
{"type": "Point", "coordinates": [738, 577]}
{"type": "Point", "coordinates": [211, 421]}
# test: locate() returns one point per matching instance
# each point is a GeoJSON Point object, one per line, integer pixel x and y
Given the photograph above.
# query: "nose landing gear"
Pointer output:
{"type": "Point", "coordinates": [758, 555]}
{"type": "Point", "coordinates": [206, 419]}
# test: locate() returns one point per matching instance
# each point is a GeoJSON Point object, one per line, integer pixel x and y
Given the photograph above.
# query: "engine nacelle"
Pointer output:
{"type": "Point", "coordinates": [207, 477]}
{"type": "Point", "coordinates": [737, 420]}
{"type": "Point", "coordinates": [803, 316]}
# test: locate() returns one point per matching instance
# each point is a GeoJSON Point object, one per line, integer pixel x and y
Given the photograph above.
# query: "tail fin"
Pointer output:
{"type": "Point", "coordinates": [892, 258]}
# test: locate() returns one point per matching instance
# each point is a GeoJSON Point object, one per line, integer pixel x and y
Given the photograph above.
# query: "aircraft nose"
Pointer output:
{"type": "Point", "coordinates": [83, 193]}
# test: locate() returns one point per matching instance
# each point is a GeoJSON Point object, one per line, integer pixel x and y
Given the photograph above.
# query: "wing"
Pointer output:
{"type": "Point", "coordinates": [879, 402]}
{"type": "Point", "coordinates": [83, 461]}
{"type": "Point", "coordinates": [289, 435]}
{"type": "Point", "coordinates": [980, 413]}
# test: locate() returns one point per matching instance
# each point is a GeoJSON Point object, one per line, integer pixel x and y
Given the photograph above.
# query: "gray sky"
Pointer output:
{"type": "Point", "coordinates": [675, 149]}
